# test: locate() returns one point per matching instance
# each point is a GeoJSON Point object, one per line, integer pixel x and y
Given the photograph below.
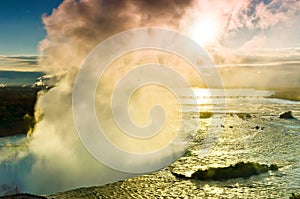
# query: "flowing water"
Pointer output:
{"type": "Point", "coordinates": [263, 138]}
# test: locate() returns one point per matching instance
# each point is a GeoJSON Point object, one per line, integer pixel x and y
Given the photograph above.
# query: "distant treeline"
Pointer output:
{"type": "Point", "coordinates": [17, 110]}
{"type": "Point", "coordinates": [288, 94]}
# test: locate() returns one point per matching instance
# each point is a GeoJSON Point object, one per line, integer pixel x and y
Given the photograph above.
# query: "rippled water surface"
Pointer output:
{"type": "Point", "coordinates": [263, 138]}
{"type": "Point", "coordinates": [221, 141]}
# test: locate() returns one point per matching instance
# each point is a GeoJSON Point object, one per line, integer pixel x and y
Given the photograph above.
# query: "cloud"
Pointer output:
{"type": "Point", "coordinates": [261, 68]}
{"type": "Point", "coordinates": [261, 76]}
{"type": "Point", "coordinates": [75, 27]}
{"type": "Point", "coordinates": [258, 41]}
{"type": "Point", "coordinates": [29, 63]}
{"type": "Point", "coordinates": [255, 55]}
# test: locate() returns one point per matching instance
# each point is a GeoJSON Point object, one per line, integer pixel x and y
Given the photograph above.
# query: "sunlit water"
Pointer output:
{"type": "Point", "coordinates": [220, 141]}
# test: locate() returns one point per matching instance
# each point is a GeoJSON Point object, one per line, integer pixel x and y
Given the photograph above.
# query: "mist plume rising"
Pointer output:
{"type": "Point", "coordinates": [73, 30]}
{"type": "Point", "coordinates": [76, 27]}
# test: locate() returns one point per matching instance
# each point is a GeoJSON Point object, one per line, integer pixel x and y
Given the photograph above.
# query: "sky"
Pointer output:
{"type": "Point", "coordinates": [260, 35]}
{"type": "Point", "coordinates": [21, 26]}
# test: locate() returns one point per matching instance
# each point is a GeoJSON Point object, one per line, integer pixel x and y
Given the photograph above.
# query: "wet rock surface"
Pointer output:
{"type": "Point", "coordinates": [239, 170]}
{"type": "Point", "coordinates": [295, 196]}
{"type": "Point", "coordinates": [205, 115]}
{"type": "Point", "coordinates": [244, 116]}
{"type": "Point", "coordinates": [287, 115]}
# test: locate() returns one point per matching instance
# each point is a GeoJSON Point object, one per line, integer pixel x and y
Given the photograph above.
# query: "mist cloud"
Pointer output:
{"type": "Point", "coordinates": [76, 27]}
{"type": "Point", "coordinates": [73, 30]}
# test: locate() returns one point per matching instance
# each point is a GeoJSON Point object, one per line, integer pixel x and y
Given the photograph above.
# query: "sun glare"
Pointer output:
{"type": "Point", "coordinates": [204, 31]}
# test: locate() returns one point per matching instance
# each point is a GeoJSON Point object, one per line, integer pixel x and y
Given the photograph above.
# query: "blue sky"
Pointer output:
{"type": "Point", "coordinates": [21, 27]}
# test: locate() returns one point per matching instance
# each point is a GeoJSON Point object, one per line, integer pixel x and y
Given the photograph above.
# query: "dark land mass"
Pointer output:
{"type": "Point", "coordinates": [239, 170]}
{"type": "Point", "coordinates": [23, 196]}
{"type": "Point", "coordinates": [17, 110]}
{"type": "Point", "coordinates": [287, 94]}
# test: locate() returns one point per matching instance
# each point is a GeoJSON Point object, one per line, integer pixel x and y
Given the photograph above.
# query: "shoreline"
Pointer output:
{"type": "Point", "coordinates": [17, 107]}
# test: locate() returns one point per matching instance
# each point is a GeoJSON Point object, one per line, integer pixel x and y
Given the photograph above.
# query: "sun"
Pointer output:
{"type": "Point", "coordinates": [204, 31]}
